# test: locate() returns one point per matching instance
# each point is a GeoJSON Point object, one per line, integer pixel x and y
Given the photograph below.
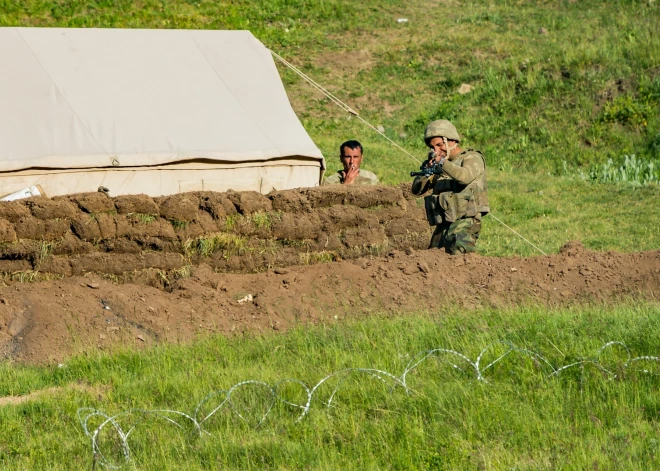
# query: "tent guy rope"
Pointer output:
{"type": "Point", "coordinates": [516, 233]}
{"type": "Point", "coordinates": [350, 110]}
{"type": "Point", "coordinates": [340, 103]}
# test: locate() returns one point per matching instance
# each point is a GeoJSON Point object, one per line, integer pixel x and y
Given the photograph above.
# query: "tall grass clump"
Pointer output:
{"type": "Point", "coordinates": [207, 245]}
{"type": "Point", "coordinates": [633, 170]}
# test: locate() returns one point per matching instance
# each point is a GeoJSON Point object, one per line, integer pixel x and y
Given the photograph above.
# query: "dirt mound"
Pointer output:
{"type": "Point", "coordinates": [46, 321]}
{"type": "Point", "coordinates": [572, 248]}
{"type": "Point", "coordinates": [230, 232]}
{"type": "Point", "coordinates": [138, 270]}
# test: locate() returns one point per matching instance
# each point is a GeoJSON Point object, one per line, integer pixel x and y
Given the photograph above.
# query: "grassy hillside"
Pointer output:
{"type": "Point", "coordinates": [543, 107]}
{"type": "Point", "coordinates": [586, 90]}
{"type": "Point", "coordinates": [550, 211]}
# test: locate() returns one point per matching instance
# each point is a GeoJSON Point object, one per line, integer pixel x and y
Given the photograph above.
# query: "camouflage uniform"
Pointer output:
{"type": "Point", "coordinates": [365, 177]}
{"type": "Point", "coordinates": [458, 201]}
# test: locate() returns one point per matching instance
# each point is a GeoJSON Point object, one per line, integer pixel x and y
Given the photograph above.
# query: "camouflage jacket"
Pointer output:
{"type": "Point", "coordinates": [365, 177]}
{"type": "Point", "coordinates": [461, 190]}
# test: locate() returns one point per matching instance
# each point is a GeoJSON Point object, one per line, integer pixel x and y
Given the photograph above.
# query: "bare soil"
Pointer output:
{"type": "Point", "coordinates": [47, 321]}
{"type": "Point", "coordinates": [88, 272]}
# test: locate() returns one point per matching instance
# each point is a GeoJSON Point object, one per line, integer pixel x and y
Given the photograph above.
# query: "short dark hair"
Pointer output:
{"type": "Point", "coordinates": [352, 144]}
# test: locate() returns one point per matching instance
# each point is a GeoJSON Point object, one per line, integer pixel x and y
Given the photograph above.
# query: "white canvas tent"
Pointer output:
{"type": "Point", "coordinates": [146, 111]}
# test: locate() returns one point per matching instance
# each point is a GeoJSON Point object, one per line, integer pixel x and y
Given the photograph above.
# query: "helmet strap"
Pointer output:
{"type": "Point", "coordinates": [449, 150]}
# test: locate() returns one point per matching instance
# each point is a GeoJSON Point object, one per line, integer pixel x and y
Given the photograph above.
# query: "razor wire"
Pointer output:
{"type": "Point", "coordinates": [351, 111]}
{"type": "Point", "coordinates": [196, 420]}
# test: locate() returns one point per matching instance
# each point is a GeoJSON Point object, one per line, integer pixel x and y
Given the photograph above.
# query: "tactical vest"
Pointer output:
{"type": "Point", "coordinates": [451, 200]}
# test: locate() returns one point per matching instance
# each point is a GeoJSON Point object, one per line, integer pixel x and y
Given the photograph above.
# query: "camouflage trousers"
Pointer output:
{"type": "Point", "coordinates": [457, 237]}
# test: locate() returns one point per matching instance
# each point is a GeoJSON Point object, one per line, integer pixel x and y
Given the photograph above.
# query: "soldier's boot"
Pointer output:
{"type": "Point", "coordinates": [438, 239]}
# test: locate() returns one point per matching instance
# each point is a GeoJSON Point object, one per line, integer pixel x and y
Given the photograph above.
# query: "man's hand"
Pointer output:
{"type": "Point", "coordinates": [434, 159]}
{"type": "Point", "coordinates": [431, 160]}
{"type": "Point", "coordinates": [350, 176]}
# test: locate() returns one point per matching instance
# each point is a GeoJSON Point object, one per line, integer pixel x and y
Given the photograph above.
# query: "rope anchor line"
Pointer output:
{"type": "Point", "coordinates": [350, 110]}
{"type": "Point", "coordinates": [516, 233]}
{"type": "Point", "coordinates": [339, 103]}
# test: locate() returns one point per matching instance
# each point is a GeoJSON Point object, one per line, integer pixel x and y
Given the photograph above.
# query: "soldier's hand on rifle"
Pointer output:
{"type": "Point", "coordinates": [431, 160]}
{"type": "Point", "coordinates": [350, 175]}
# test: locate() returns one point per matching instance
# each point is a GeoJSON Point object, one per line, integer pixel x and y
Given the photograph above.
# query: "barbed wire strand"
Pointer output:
{"type": "Point", "coordinates": [273, 396]}
{"type": "Point", "coordinates": [350, 110]}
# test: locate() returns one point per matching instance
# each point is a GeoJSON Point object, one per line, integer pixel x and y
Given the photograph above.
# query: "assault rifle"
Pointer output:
{"type": "Point", "coordinates": [428, 171]}
{"type": "Point", "coordinates": [424, 171]}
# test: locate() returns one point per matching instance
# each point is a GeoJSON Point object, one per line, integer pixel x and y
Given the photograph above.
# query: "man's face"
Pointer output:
{"type": "Point", "coordinates": [438, 145]}
{"type": "Point", "coordinates": [350, 158]}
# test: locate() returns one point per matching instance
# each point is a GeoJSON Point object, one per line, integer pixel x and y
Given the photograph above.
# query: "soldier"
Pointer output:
{"type": "Point", "coordinates": [459, 198]}
{"type": "Point", "coordinates": [350, 154]}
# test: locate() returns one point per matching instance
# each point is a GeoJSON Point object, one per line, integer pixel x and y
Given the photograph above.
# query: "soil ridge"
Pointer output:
{"type": "Point", "coordinates": [231, 232]}
{"type": "Point", "coordinates": [47, 321]}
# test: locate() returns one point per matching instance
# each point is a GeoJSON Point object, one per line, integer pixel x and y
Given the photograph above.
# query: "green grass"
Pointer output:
{"type": "Point", "coordinates": [308, 258]}
{"type": "Point", "coordinates": [545, 109]}
{"type": "Point", "coordinates": [206, 246]}
{"type": "Point", "coordinates": [518, 419]}
{"type": "Point", "coordinates": [551, 210]}
{"type": "Point", "coordinates": [143, 218]}
{"type": "Point", "coordinates": [633, 171]}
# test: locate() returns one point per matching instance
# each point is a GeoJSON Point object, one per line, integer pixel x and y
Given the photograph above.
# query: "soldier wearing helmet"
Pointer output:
{"type": "Point", "coordinates": [459, 196]}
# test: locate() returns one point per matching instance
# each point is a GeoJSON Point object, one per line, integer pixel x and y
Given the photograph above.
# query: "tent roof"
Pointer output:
{"type": "Point", "coordinates": [89, 98]}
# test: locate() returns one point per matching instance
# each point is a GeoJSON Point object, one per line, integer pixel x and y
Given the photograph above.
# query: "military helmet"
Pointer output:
{"type": "Point", "coordinates": [441, 128]}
